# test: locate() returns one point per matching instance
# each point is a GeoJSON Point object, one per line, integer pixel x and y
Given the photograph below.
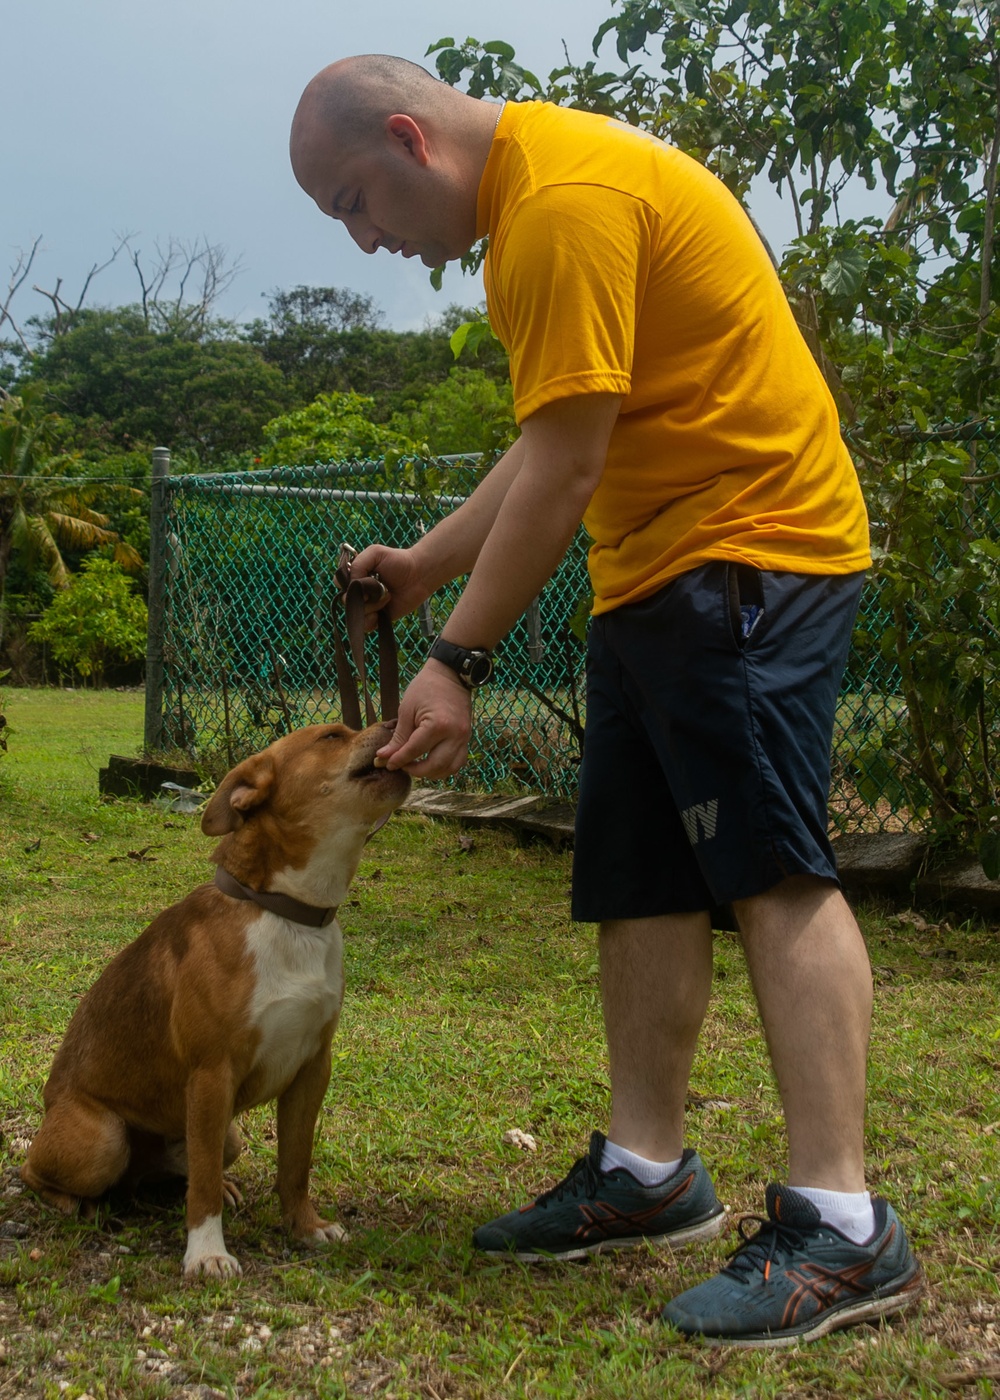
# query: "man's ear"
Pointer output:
{"type": "Point", "coordinates": [240, 791]}
{"type": "Point", "coordinates": [404, 131]}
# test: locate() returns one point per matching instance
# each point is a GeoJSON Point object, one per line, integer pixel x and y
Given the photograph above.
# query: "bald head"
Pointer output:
{"type": "Point", "coordinates": [350, 101]}
{"type": "Point", "coordinates": [394, 154]}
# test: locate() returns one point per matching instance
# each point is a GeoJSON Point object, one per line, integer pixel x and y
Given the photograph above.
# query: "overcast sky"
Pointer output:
{"type": "Point", "coordinates": [127, 116]}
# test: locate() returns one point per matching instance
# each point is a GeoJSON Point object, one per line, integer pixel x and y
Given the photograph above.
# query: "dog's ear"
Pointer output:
{"type": "Point", "coordinates": [240, 791]}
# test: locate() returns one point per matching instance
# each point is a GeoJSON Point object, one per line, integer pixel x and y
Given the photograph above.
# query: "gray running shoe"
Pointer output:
{"type": "Point", "coordinates": [591, 1210]}
{"type": "Point", "coordinates": [797, 1278]}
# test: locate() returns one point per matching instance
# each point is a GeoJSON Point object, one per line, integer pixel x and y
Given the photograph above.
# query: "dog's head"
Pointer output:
{"type": "Point", "coordinates": [298, 813]}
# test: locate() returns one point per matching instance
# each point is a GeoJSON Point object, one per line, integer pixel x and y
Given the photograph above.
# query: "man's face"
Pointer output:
{"type": "Point", "coordinates": [386, 198]}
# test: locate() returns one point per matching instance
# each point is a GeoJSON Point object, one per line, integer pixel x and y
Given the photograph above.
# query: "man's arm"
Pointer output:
{"type": "Point", "coordinates": [453, 546]}
{"type": "Point", "coordinates": [447, 551]}
{"type": "Point", "coordinates": [563, 450]}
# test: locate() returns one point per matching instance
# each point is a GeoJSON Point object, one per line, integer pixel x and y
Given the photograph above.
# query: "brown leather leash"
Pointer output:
{"type": "Point", "coordinates": [356, 592]}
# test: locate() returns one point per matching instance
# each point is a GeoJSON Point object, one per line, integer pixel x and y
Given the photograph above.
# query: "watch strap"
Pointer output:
{"type": "Point", "coordinates": [464, 661]}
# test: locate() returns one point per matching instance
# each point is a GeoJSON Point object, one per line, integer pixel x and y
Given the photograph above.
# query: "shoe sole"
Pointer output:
{"type": "Point", "coordinates": [909, 1291]}
{"type": "Point", "coordinates": [703, 1230]}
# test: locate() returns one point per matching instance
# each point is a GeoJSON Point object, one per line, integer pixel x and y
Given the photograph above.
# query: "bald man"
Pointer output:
{"type": "Point", "coordinates": [666, 399]}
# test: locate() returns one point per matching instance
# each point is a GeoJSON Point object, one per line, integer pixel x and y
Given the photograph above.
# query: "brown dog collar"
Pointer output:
{"type": "Point", "coordinates": [281, 904]}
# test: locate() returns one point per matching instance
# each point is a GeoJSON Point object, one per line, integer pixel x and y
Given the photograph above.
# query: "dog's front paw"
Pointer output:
{"type": "Point", "coordinates": [211, 1266]}
{"type": "Point", "coordinates": [207, 1256]}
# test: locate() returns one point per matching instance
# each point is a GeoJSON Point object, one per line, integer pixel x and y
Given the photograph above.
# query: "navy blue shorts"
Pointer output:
{"type": "Point", "coordinates": [706, 764]}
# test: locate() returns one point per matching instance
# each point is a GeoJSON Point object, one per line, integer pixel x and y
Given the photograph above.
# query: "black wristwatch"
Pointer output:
{"type": "Point", "coordinates": [472, 666]}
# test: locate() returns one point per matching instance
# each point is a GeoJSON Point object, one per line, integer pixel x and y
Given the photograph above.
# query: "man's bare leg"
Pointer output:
{"type": "Point", "coordinates": [656, 977]}
{"type": "Point", "coordinates": [812, 979]}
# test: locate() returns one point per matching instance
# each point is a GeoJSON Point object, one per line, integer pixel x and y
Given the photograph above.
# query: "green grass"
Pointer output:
{"type": "Point", "coordinates": [472, 1007]}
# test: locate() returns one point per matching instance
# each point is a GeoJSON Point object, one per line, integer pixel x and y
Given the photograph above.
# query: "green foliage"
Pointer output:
{"type": "Point", "coordinates": [491, 68]}
{"type": "Point", "coordinates": [320, 310]}
{"type": "Point", "coordinates": [326, 340]}
{"type": "Point", "coordinates": [43, 510]}
{"type": "Point", "coordinates": [467, 412]}
{"type": "Point", "coordinates": [127, 385]}
{"type": "Point", "coordinates": [937, 570]}
{"type": "Point", "coordinates": [95, 620]}
{"type": "Point", "coordinates": [332, 428]}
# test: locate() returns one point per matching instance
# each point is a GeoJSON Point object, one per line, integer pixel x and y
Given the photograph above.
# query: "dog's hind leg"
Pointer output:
{"type": "Point", "coordinates": [232, 1148]}
{"type": "Point", "coordinates": [155, 1158]}
{"type": "Point", "coordinates": [81, 1149]}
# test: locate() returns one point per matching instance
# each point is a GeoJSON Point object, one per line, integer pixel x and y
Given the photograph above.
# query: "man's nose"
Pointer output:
{"type": "Point", "coordinates": [366, 235]}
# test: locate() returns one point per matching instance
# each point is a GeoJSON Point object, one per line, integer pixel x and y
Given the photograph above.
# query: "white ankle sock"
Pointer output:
{"type": "Point", "coordinates": [647, 1172]}
{"type": "Point", "coordinates": [850, 1212]}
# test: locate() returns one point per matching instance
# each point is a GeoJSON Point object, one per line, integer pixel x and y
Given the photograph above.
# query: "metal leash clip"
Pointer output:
{"type": "Point", "coordinates": [348, 554]}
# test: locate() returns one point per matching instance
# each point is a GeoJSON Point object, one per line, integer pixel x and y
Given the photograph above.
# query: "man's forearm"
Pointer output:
{"type": "Point", "coordinates": [532, 531]}
{"type": "Point", "coordinates": [453, 546]}
{"type": "Point", "coordinates": [564, 448]}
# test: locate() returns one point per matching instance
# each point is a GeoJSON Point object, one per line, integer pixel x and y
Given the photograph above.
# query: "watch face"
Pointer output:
{"type": "Point", "coordinates": [480, 668]}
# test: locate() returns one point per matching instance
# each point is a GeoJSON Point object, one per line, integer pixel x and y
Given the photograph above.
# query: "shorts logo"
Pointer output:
{"type": "Point", "coordinates": [701, 820]}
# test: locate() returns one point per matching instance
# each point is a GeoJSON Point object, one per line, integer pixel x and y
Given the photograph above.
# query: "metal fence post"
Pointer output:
{"type": "Point", "coordinates": [153, 729]}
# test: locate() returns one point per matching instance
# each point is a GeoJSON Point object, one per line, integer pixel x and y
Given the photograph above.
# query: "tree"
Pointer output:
{"type": "Point", "coordinates": [328, 340]}
{"type": "Point", "coordinates": [322, 310]}
{"type": "Point", "coordinates": [333, 428]}
{"type": "Point", "coordinates": [95, 620]}
{"type": "Point", "coordinates": [901, 95]}
{"type": "Point", "coordinates": [42, 510]}
{"type": "Point", "coordinates": [466, 413]}
{"type": "Point", "coordinates": [202, 272]}
{"type": "Point", "coordinates": [126, 385]}
{"type": "Point", "coordinates": [177, 291]}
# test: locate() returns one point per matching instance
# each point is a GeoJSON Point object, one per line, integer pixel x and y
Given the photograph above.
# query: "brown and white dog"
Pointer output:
{"type": "Point", "coordinates": [228, 999]}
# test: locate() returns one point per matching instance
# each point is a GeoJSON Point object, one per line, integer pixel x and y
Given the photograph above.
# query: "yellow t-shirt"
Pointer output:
{"type": "Point", "coordinates": [619, 265]}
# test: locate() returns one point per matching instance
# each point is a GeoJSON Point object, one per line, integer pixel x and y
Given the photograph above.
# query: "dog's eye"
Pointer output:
{"type": "Point", "coordinates": [332, 735]}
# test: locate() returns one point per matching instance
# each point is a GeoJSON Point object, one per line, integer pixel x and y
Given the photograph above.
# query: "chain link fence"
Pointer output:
{"type": "Point", "coordinates": [242, 611]}
{"type": "Point", "coordinates": [242, 595]}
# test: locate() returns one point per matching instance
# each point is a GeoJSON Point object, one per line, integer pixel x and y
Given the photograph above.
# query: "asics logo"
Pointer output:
{"type": "Point", "coordinates": [603, 1220]}
{"type": "Point", "coordinates": [821, 1286]}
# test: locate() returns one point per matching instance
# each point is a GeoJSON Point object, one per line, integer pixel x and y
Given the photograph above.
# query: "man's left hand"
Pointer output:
{"type": "Point", "coordinates": [431, 738]}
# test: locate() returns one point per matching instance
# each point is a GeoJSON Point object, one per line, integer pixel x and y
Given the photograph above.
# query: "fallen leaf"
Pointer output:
{"type": "Point", "coordinates": [516, 1138]}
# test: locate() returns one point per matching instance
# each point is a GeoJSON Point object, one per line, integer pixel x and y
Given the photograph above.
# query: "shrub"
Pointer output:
{"type": "Point", "coordinates": [97, 619]}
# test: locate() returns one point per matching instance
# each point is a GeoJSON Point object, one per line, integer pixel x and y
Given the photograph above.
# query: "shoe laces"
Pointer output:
{"type": "Point", "coordinates": [581, 1179]}
{"type": "Point", "coordinates": [758, 1251]}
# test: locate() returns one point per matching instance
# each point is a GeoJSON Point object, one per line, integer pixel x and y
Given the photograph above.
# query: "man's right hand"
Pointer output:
{"type": "Point", "coordinates": [398, 571]}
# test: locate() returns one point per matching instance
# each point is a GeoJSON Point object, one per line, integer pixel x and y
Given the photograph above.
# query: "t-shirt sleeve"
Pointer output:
{"type": "Point", "coordinates": [565, 283]}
